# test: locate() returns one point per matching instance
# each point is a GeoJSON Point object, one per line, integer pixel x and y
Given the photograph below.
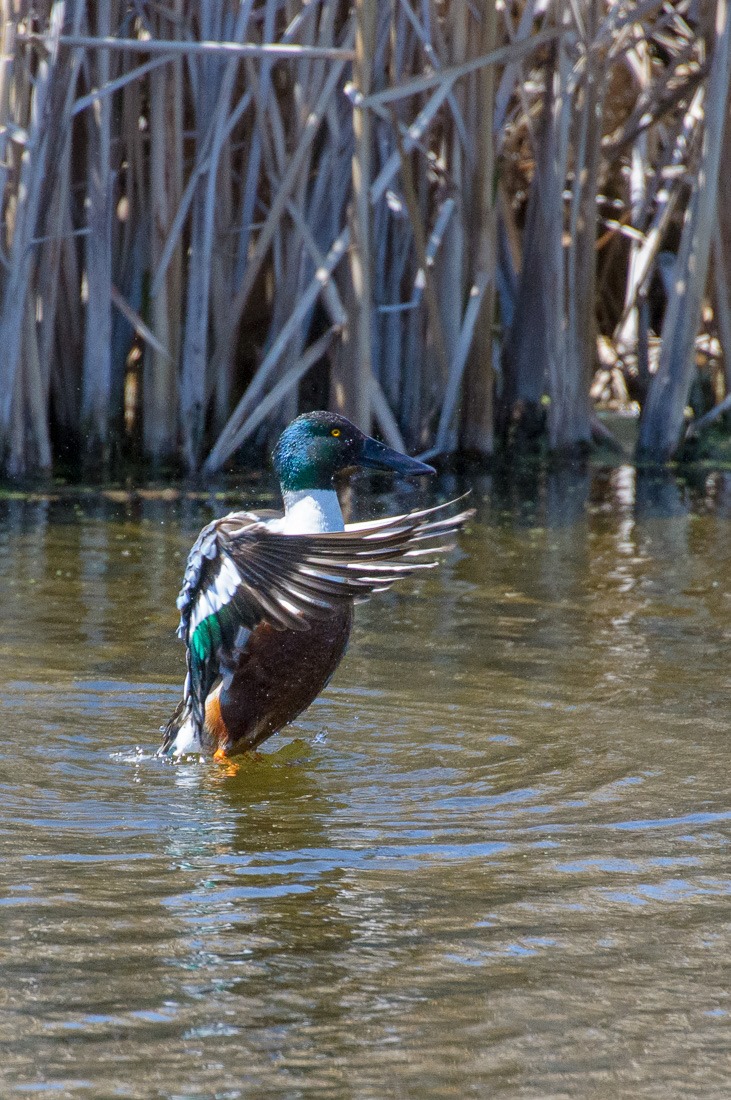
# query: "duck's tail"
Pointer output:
{"type": "Point", "coordinates": [180, 734]}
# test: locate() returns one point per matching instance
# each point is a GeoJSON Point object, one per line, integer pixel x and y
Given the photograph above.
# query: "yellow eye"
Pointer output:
{"type": "Point", "coordinates": [335, 432]}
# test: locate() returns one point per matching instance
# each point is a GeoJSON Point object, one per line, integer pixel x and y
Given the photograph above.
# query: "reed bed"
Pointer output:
{"type": "Point", "coordinates": [463, 223]}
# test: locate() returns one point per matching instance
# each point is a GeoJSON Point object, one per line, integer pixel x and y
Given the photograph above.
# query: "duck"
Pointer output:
{"type": "Point", "coordinates": [266, 605]}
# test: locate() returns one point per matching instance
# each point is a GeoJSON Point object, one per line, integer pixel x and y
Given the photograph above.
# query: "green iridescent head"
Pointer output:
{"type": "Point", "coordinates": [318, 445]}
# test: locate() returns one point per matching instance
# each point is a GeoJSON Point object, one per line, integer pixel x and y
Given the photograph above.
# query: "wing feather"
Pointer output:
{"type": "Point", "coordinates": [241, 573]}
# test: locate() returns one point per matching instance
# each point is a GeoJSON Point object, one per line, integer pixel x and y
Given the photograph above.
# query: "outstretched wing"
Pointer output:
{"type": "Point", "coordinates": [241, 572]}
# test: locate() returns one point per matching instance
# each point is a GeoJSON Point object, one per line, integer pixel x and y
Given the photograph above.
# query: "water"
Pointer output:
{"type": "Point", "coordinates": [492, 860]}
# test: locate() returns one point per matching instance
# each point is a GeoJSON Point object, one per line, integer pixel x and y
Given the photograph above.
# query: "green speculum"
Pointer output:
{"type": "Point", "coordinates": [206, 638]}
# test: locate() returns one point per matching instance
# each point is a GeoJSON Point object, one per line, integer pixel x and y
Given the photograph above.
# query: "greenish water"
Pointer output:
{"type": "Point", "coordinates": [492, 860]}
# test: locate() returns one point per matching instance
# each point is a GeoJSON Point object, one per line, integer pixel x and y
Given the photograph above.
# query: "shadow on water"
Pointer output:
{"type": "Point", "coordinates": [492, 859]}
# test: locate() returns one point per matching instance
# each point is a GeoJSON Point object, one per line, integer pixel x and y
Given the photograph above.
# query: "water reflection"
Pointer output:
{"type": "Point", "coordinates": [491, 860]}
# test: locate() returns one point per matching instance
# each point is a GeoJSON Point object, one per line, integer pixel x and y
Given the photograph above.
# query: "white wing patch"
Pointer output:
{"type": "Point", "coordinates": [217, 595]}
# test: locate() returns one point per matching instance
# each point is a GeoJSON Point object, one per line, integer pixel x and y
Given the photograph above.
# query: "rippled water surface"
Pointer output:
{"type": "Point", "coordinates": [492, 860]}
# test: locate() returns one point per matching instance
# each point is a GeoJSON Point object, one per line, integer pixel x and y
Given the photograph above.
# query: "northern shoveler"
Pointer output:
{"type": "Point", "coordinates": [266, 605]}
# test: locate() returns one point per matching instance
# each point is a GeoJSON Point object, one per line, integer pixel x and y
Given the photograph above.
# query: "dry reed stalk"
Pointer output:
{"type": "Point", "coordinates": [477, 428]}
{"type": "Point", "coordinates": [429, 33]}
{"type": "Point", "coordinates": [628, 334]}
{"type": "Point", "coordinates": [412, 138]}
{"type": "Point", "coordinates": [97, 367]}
{"type": "Point", "coordinates": [331, 299]}
{"type": "Point", "coordinates": [264, 92]}
{"type": "Point", "coordinates": [276, 209]}
{"type": "Point", "coordinates": [7, 64]}
{"type": "Point", "coordinates": [453, 223]}
{"type": "Point", "coordinates": [666, 200]}
{"type": "Point", "coordinates": [67, 356]}
{"type": "Point", "coordinates": [569, 427]}
{"type": "Point", "coordinates": [302, 255]}
{"type": "Point", "coordinates": [27, 196]}
{"type": "Point", "coordinates": [213, 95]}
{"type": "Point", "coordinates": [554, 285]}
{"type": "Point", "coordinates": [532, 338]}
{"type": "Point", "coordinates": [722, 258]}
{"type": "Point", "coordinates": [51, 253]}
{"type": "Point", "coordinates": [272, 50]}
{"type": "Point", "coordinates": [658, 98]}
{"type": "Point", "coordinates": [356, 387]}
{"type": "Point", "coordinates": [283, 387]}
{"type": "Point", "coordinates": [425, 273]}
{"type": "Point", "coordinates": [226, 443]}
{"type": "Point", "coordinates": [15, 440]}
{"type": "Point", "coordinates": [160, 370]}
{"type": "Point", "coordinates": [459, 361]}
{"type": "Point", "coordinates": [296, 268]}
{"type": "Point", "coordinates": [722, 311]}
{"type": "Point", "coordinates": [48, 278]}
{"type": "Point", "coordinates": [662, 416]}
{"type": "Point", "coordinates": [446, 77]}
{"type": "Point", "coordinates": [220, 386]}
{"type": "Point", "coordinates": [513, 75]}
{"type": "Point", "coordinates": [233, 179]}
{"type": "Point", "coordinates": [36, 397]}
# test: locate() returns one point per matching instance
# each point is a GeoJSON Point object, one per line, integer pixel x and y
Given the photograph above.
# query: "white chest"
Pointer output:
{"type": "Point", "coordinates": [310, 511]}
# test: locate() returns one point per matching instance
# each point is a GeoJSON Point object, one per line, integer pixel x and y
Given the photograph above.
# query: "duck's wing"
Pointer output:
{"type": "Point", "coordinates": [241, 572]}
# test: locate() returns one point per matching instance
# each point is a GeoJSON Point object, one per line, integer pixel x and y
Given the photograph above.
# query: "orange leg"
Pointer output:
{"type": "Point", "coordinates": [216, 725]}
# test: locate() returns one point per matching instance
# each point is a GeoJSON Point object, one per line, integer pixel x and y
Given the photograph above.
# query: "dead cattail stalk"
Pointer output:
{"type": "Point", "coordinates": [662, 416]}
{"type": "Point", "coordinates": [160, 372]}
{"type": "Point", "coordinates": [27, 192]}
{"type": "Point", "coordinates": [569, 426]}
{"type": "Point", "coordinates": [225, 445]}
{"type": "Point", "coordinates": [183, 196]}
{"type": "Point", "coordinates": [97, 368]}
{"type": "Point", "coordinates": [269, 50]}
{"type": "Point", "coordinates": [477, 418]}
{"type": "Point", "coordinates": [357, 390]}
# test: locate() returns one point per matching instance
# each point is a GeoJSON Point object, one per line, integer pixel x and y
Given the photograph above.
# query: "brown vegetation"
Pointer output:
{"type": "Point", "coordinates": [461, 223]}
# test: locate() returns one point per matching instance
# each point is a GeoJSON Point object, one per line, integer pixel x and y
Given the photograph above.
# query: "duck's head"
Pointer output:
{"type": "Point", "coordinates": [318, 445]}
